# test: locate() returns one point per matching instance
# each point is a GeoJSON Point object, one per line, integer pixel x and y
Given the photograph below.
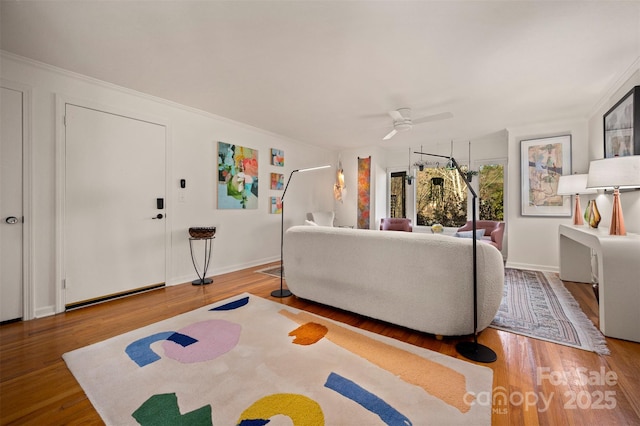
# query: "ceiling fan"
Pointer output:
{"type": "Point", "coordinates": [402, 120]}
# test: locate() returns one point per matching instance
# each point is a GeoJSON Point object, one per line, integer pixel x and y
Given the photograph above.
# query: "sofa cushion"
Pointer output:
{"type": "Point", "coordinates": [469, 234]}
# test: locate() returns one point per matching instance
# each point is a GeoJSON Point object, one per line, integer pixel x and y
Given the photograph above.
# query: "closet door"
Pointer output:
{"type": "Point", "coordinates": [11, 225]}
{"type": "Point", "coordinates": [114, 230]}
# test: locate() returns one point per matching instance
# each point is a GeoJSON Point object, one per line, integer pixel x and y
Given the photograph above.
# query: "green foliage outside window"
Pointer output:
{"type": "Point", "coordinates": [491, 192]}
{"type": "Point", "coordinates": [441, 197]}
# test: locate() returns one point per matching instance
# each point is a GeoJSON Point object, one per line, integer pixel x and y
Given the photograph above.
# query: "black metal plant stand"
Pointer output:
{"type": "Point", "coordinates": [208, 243]}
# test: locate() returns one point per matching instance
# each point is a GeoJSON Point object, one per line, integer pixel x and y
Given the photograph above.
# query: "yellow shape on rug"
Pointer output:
{"type": "Point", "coordinates": [302, 411]}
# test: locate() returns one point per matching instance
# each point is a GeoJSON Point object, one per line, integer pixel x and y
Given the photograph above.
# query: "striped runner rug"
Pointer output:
{"type": "Point", "coordinates": [536, 304]}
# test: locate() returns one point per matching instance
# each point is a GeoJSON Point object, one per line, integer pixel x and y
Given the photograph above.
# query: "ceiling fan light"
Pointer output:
{"type": "Point", "coordinates": [403, 126]}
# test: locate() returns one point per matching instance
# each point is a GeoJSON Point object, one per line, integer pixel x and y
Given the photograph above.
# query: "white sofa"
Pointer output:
{"type": "Point", "coordinates": [420, 281]}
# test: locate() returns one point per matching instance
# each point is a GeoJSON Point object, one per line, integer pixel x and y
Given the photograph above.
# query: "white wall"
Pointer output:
{"type": "Point", "coordinates": [533, 240]}
{"type": "Point", "coordinates": [630, 200]}
{"type": "Point", "coordinates": [244, 237]}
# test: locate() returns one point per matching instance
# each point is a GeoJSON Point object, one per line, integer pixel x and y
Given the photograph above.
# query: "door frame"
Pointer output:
{"type": "Point", "coordinates": [60, 153]}
{"type": "Point", "coordinates": [28, 304]}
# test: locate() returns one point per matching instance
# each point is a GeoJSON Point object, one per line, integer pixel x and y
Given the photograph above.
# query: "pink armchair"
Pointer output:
{"type": "Point", "coordinates": [493, 231]}
{"type": "Point", "coordinates": [396, 224]}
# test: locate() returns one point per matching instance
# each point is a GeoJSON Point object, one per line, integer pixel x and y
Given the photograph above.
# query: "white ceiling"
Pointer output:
{"type": "Point", "coordinates": [326, 72]}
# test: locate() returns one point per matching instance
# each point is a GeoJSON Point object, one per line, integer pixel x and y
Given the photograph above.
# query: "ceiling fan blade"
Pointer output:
{"type": "Point", "coordinates": [390, 135]}
{"type": "Point", "coordinates": [434, 117]}
{"type": "Point", "coordinates": [396, 115]}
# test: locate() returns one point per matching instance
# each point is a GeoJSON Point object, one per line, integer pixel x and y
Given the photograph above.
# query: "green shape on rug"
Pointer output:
{"type": "Point", "coordinates": [161, 410]}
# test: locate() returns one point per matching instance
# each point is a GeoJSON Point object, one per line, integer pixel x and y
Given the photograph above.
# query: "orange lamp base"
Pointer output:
{"type": "Point", "coordinates": [617, 220]}
{"type": "Point", "coordinates": [577, 214]}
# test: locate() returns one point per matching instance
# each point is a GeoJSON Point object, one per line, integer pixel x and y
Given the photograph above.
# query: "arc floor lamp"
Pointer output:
{"type": "Point", "coordinates": [283, 292]}
{"type": "Point", "coordinates": [471, 350]}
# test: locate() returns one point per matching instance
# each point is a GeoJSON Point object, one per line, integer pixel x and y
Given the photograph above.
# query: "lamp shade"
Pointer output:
{"type": "Point", "coordinates": [615, 172]}
{"type": "Point", "coordinates": [574, 184]}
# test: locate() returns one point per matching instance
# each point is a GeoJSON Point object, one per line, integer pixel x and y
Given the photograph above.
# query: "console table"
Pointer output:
{"type": "Point", "coordinates": [618, 260]}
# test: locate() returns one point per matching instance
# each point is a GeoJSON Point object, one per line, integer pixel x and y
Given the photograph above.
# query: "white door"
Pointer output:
{"type": "Point", "coordinates": [114, 230]}
{"type": "Point", "coordinates": [11, 299]}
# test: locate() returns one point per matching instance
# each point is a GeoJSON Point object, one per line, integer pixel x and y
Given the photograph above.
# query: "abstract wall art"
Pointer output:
{"type": "Point", "coordinates": [277, 157]}
{"type": "Point", "coordinates": [364, 192]}
{"type": "Point", "coordinates": [277, 181]}
{"type": "Point", "coordinates": [275, 206]}
{"type": "Point", "coordinates": [237, 177]}
{"type": "Point", "coordinates": [622, 126]}
{"type": "Point", "coordinates": [543, 162]}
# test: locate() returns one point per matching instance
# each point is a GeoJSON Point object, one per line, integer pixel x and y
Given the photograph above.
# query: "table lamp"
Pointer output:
{"type": "Point", "coordinates": [617, 173]}
{"type": "Point", "coordinates": [575, 185]}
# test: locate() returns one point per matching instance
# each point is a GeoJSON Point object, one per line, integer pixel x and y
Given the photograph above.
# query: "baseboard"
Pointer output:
{"type": "Point", "coordinates": [219, 271]}
{"type": "Point", "coordinates": [533, 267]}
{"type": "Point", "coordinates": [45, 311]}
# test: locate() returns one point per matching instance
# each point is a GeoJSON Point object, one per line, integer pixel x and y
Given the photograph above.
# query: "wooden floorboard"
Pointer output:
{"type": "Point", "coordinates": [37, 388]}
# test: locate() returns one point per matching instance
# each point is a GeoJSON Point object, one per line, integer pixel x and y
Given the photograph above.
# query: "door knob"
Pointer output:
{"type": "Point", "coordinates": [158, 216]}
{"type": "Point", "coordinates": [12, 220]}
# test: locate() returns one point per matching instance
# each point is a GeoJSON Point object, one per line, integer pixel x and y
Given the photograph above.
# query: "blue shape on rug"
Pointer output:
{"type": "Point", "coordinates": [182, 339]}
{"type": "Point", "coordinates": [140, 350]}
{"type": "Point", "coordinates": [232, 305]}
{"type": "Point", "coordinates": [163, 410]}
{"type": "Point", "coordinates": [371, 402]}
{"type": "Point", "coordinates": [254, 422]}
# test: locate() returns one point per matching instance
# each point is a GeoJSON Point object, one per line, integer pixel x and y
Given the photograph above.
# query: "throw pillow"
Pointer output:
{"type": "Point", "coordinates": [311, 223]}
{"type": "Point", "coordinates": [469, 234]}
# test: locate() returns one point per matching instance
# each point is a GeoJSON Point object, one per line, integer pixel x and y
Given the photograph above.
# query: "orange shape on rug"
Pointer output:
{"type": "Point", "coordinates": [436, 379]}
{"type": "Point", "coordinates": [309, 333]}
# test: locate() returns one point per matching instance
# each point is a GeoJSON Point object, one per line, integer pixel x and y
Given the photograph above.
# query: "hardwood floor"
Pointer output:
{"type": "Point", "coordinates": [541, 382]}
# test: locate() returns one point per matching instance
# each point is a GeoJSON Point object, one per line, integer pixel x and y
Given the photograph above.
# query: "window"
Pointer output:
{"type": "Point", "coordinates": [441, 197]}
{"type": "Point", "coordinates": [397, 197]}
{"type": "Point", "coordinates": [491, 194]}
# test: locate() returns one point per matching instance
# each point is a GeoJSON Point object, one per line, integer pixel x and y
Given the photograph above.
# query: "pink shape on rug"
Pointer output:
{"type": "Point", "coordinates": [215, 338]}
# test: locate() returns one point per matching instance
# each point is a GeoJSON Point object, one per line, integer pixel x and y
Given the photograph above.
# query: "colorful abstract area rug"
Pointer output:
{"type": "Point", "coordinates": [249, 361]}
{"type": "Point", "coordinates": [537, 304]}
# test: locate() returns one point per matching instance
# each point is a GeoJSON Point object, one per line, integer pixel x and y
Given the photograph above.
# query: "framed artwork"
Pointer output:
{"type": "Point", "coordinates": [275, 206]}
{"type": "Point", "coordinates": [364, 192]}
{"type": "Point", "coordinates": [277, 157]}
{"type": "Point", "coordinates": [622, 126]}
{"type": "Point", "coordinates": [237, 177]}
{"type": "Point", "coordinates": [277, 181]}
{"type": "Point", "coordinates": [543, 161]}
